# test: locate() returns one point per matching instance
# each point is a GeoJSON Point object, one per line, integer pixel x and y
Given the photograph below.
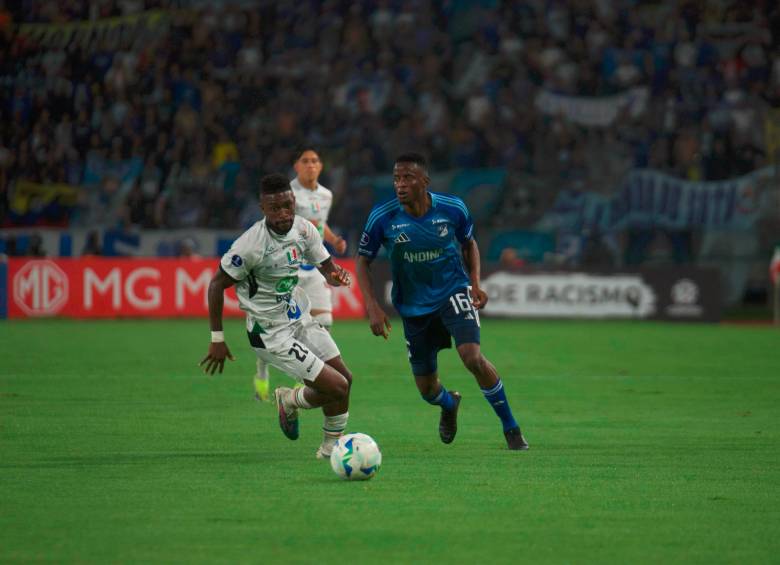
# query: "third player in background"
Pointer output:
{"type": "Point", "coordinates": [312, 201]}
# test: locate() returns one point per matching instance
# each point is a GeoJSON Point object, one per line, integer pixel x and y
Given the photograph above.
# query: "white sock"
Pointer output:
{"type": "Point", "coordinates": [262, 370]}
{"type": "Point", "coordinates": [298, 399]}
{"type": "Point", "coordinates": [334, 426]}
{"type": "Point", "coordinates": [332, 429]}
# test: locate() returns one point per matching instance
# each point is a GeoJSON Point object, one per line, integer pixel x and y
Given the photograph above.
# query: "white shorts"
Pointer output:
{"type": "Point", "coordinates": [299, 349]}
{"type": "Point", "coordinates": [316, 288]}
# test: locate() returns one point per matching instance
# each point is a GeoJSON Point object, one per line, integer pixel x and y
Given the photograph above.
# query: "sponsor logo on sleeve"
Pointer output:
{"type": "Point", "coordinates": [364, 239]}
{"type": "Point", "coordinates": [236, 261]}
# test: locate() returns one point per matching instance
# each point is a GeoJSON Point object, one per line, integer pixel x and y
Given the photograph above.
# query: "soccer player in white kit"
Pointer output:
{"type": "Point", "coordinates": [264, 264]}
{"type": "Point", "coordinates": [313, 202]}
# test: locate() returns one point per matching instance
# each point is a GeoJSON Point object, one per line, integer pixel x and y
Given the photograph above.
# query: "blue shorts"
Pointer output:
{"type": "Point", "coordinates": [426, 335]}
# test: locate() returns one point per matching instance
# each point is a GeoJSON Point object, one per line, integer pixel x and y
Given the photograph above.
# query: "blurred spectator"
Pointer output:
{"type": "Point", "coordinates": [11, 248]}
{"type": "Point", "coordinates": [598, 250]}
{"type": "Point", "coordinates": [92, 245]}
{"type": "Point", "coordinates": [508, 259]}
{"type": "Point", "coordinates": [186, 249]}
{"type": "Point", "coordinates": [174, 126]}
{"type": "Point", "coordinates": [35, 246]}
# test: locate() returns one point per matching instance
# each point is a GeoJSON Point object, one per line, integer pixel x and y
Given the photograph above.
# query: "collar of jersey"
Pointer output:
{"type": "Point", "coordinates": [419, 218]}
{"type": "Point", "coordinates": [275, 236]}
{"type": "Point", "coordinates": [299, 183]}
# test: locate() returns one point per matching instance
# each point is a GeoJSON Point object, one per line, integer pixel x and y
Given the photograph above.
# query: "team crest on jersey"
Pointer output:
{"type": "Point", "coordinates": [293, 257]}
{"type": "Point", "coordinates": [443, 231]}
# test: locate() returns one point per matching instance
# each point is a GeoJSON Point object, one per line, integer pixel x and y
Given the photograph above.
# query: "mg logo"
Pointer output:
{"type": "Point", "coordinates": [40, 288]}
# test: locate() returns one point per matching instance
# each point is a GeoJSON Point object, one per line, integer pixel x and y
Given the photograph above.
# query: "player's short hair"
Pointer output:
{"type": "Point", "coordinates": [274, 184]}
{"type": "Point", "coordinates": [301, 150]}
{"type": "Point", "coordinates": [416, 158]}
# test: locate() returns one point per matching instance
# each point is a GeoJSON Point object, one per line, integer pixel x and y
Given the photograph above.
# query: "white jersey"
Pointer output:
{"type": "Point", "coordinates": [265, 267]}
{"type": "Point", "coordinates": [314, 205]}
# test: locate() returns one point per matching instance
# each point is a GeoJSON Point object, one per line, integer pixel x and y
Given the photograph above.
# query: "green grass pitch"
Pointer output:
{"type": "Point", "coordinates": [649, 443]}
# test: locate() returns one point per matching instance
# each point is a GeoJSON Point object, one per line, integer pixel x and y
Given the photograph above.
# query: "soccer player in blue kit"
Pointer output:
{"type": "Point", "coordinates": [429, 240]}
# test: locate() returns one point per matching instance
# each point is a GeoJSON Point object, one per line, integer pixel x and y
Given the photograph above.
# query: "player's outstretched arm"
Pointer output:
{"type": "Point", "coordinates": [471, 260]}
{"type": "Point", "coordinates": [377, 317]}
{"type": "Point", "coordinates": [338, 242]}
{"type": "Point", "coordinates": [218, 349]}
{"type": "Point", "coordinates": [335, 274]}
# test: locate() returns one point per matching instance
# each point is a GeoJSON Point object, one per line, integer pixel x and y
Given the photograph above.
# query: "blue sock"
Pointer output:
{"type": "Point", "coordinates": [497, 399]}
{"type": "Point", "coordinates": [442, 398]}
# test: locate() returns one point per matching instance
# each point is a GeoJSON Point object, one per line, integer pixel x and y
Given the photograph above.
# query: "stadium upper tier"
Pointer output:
{"type": "Point", "coordinates": [165, 114]}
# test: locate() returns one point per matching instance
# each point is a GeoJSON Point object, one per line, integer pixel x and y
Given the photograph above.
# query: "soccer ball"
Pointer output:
{"type": "Point", "coordinates": [356, 457]}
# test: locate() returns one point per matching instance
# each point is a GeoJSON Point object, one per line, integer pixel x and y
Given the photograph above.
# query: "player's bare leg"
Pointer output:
{"type": "Point", "coordinates": [493, 391]}
{"type": "Point", "coordinates": [433, 392]}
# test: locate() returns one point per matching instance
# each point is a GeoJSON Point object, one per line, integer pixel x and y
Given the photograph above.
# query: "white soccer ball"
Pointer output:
{"type": "Point", "coordinates": [356, 457]}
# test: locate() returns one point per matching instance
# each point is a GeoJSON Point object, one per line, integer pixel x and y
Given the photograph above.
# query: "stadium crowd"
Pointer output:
{"type": "Point", "coordinates": [171, 124]}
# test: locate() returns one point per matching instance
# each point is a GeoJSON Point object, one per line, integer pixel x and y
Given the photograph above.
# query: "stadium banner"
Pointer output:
{"type": "Point", "coordinates": [31, 201]}
{"type": "Point", "coordinates": [649, 198]}
{"type": "Point", "coordinates": [102, 33]}
{"type": "Point", "coordinates": [125, 171]}
{"type": "Point", "coordinates": [123, 243]}
{"type": "Point", "coordinates": [599, 111]}
{"type": "Point", "coordinates": [690, 294]}
{"type": "Point", "coordinates": [131, 288]}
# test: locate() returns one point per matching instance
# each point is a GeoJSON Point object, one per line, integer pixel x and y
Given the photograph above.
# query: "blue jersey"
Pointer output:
{"type": "Point", "coordinates": [424, 252]}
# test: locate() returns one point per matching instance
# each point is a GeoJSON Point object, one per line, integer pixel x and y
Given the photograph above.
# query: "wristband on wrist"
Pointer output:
{"type": "Point", "coordinates": [217, 337]}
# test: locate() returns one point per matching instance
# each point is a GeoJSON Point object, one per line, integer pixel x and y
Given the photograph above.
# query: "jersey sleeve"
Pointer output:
{"type": "Point", "coordinates": [372, 236]}
{"type": "Point", "coordinates": [314, 252]}
{"type": "Point", "coordinates": [464, 229]}
{"type": "Point", "coordinates": [237, 262]}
